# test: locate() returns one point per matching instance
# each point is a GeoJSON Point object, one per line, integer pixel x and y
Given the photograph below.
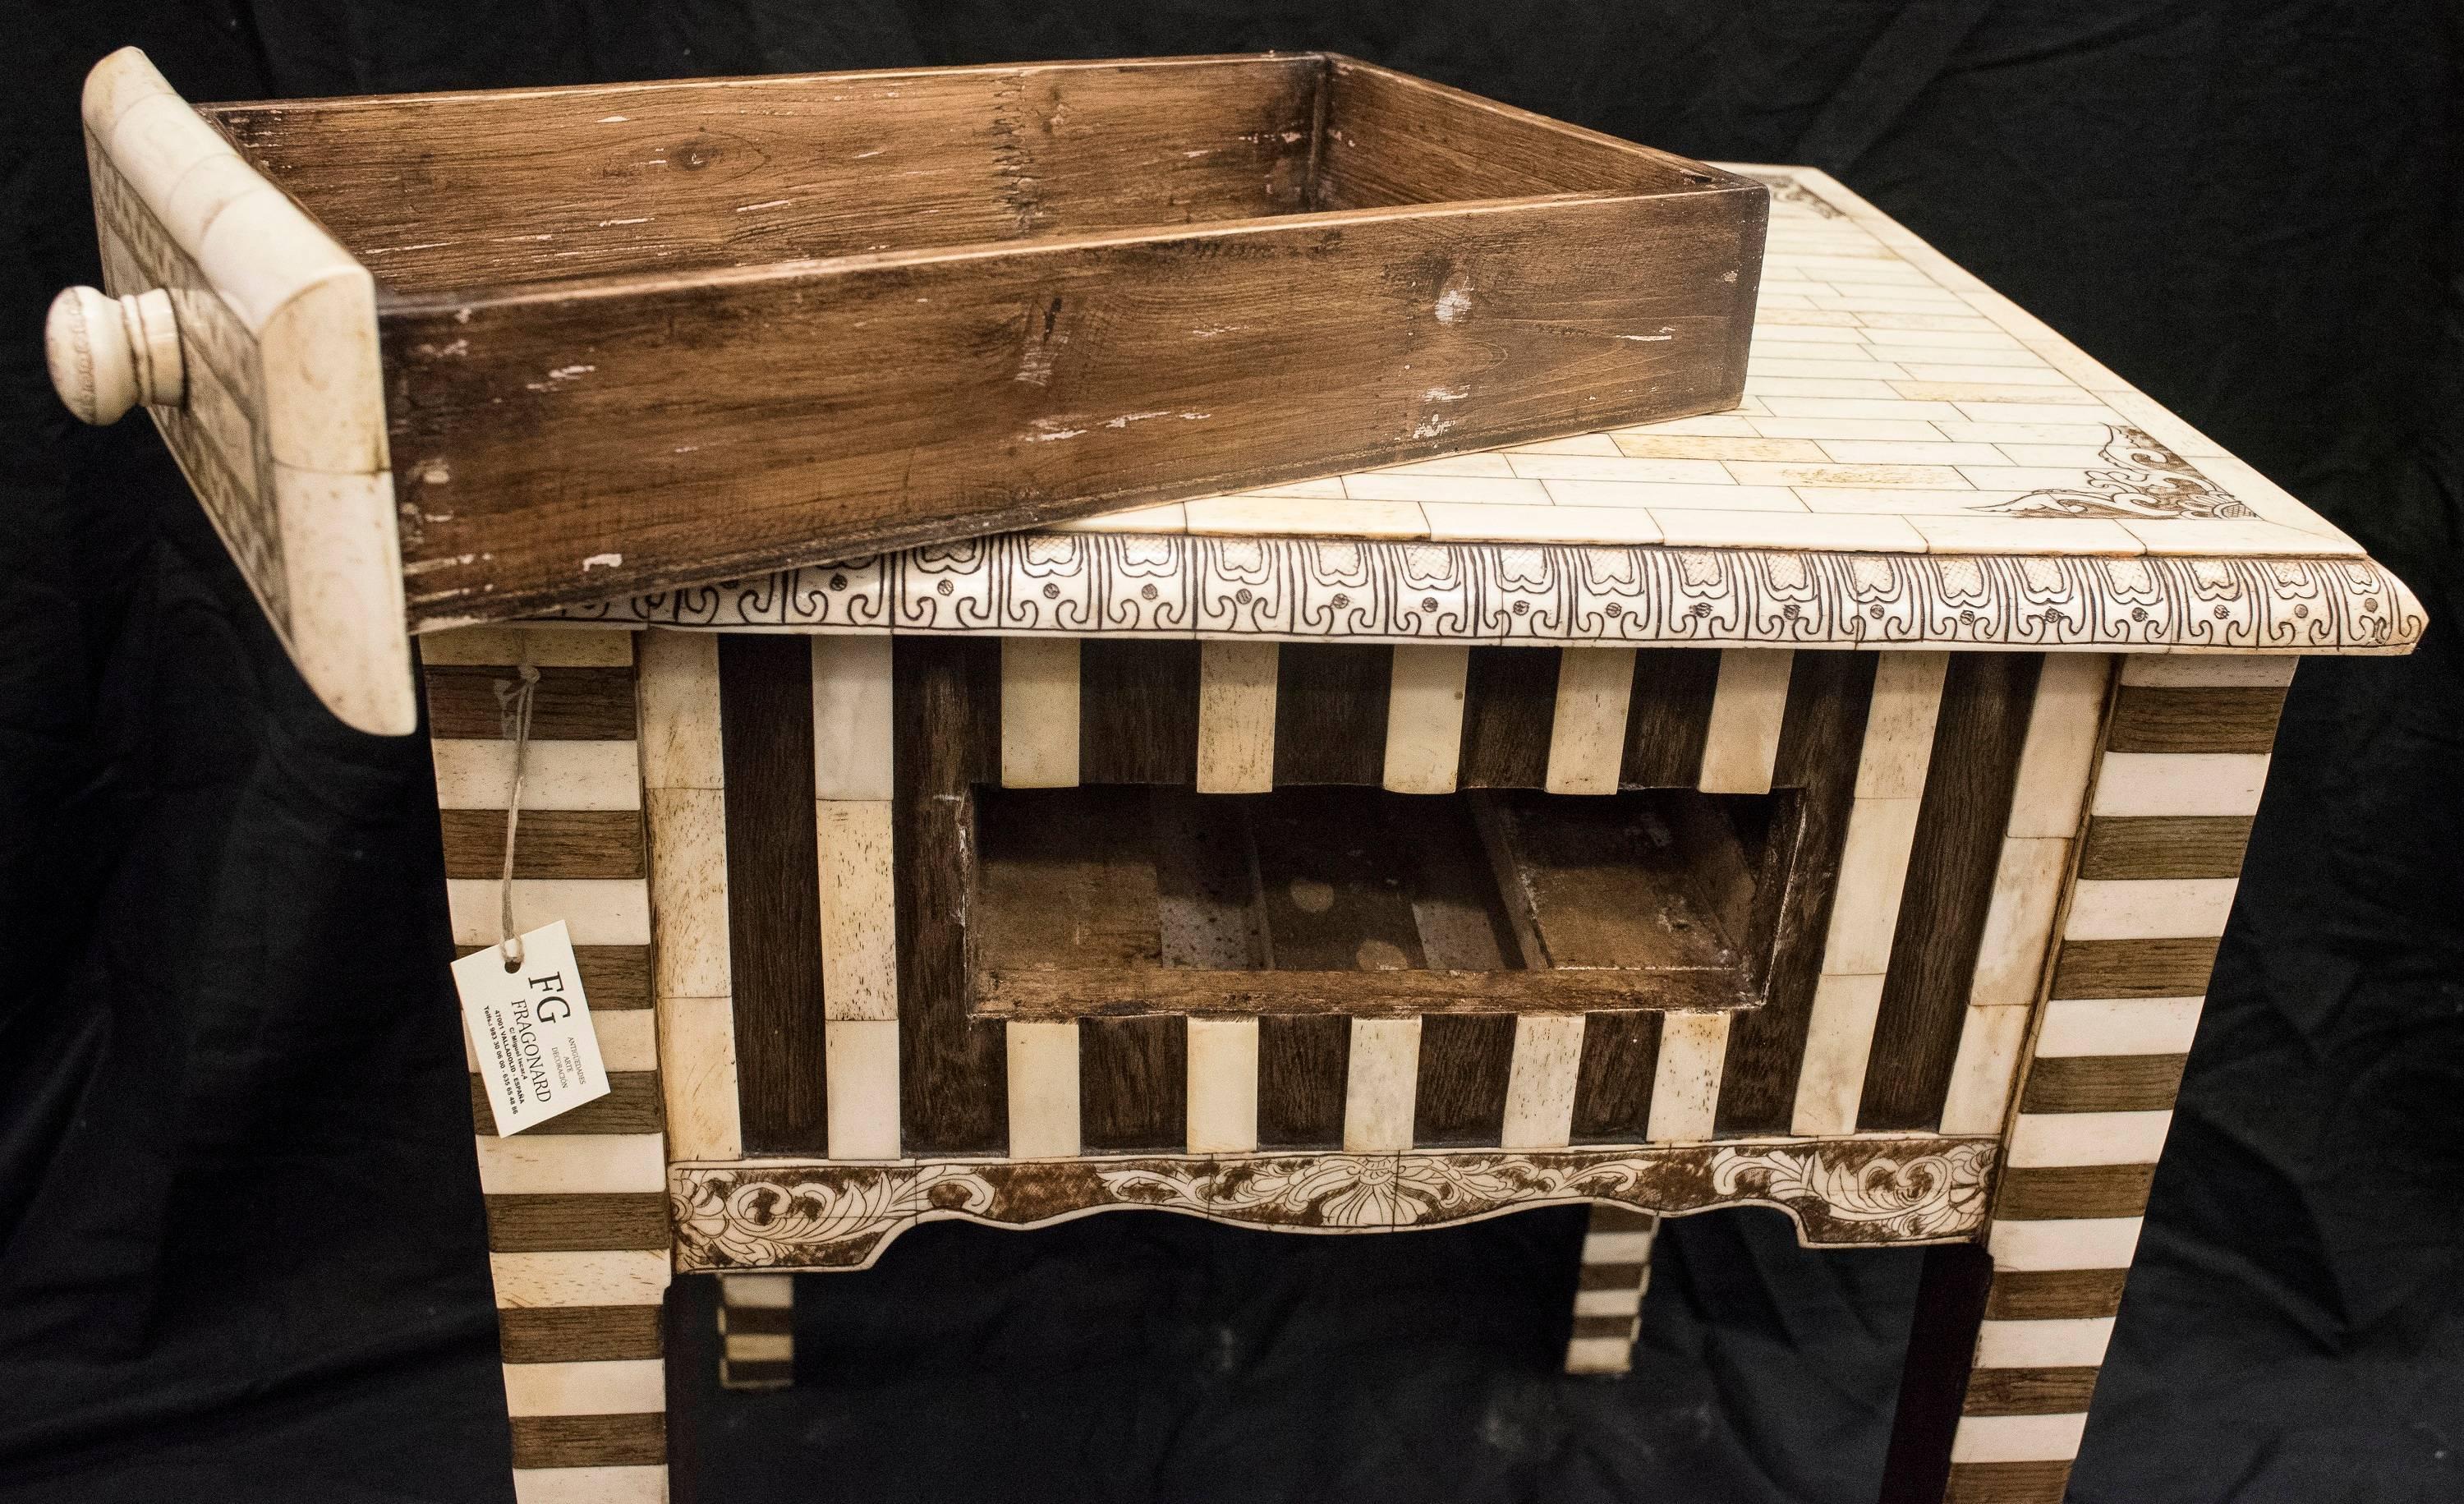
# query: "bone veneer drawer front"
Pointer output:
{"type": "Point", "coordinates": [444, 358]}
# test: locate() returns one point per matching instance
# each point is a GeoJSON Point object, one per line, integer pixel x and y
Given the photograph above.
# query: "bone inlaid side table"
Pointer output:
{"type": "Point", "coordinates": [1833, 805]}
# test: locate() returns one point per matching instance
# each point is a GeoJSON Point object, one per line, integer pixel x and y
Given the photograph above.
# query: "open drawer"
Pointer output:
{"type": "Point", "coordinates": [442, 359]}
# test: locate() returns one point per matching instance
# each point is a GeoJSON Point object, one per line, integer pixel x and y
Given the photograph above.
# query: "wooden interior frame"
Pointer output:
{"type": "Point", "coordinates": [1781, 935]}
{"type": "Point", "coordinates": [1485, 917]}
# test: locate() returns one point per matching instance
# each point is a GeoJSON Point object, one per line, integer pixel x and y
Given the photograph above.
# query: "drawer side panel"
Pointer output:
{"type": "Point", "coordinates": [566, 445]}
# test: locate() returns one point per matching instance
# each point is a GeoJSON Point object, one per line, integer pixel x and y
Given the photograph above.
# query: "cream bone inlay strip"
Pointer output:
{"type": "Point", "coordinates": [556, 775]}
{"type": "Point", "coordinates": [1235, 755]}
{"type": "Point", "coordinates": [584, 1424]}
{"type": "Point", "coordinates": [2097, 1098]}
{"type": "Point", "coordinates": [1381, 1084]}
{"type": "Point", "coordinates": [1748, 706]}
{"type": "Point", "coordinates": [685, 789]}
{"type": "Point", "coordinates": [1542, 1076]}
{"type": "Point", "coordinates": [1685, 1080]}
{"type": "Point", "coordinates": [1236, 717]}
{"type": "Point", "coordinates": [1424, 716]}
{"type": "Point", "coordinates": [1873, 873]}
{"type": "Point", "coordinates": [1039, 749]}
{"type": "Point", "coordinates": [1587, 735]}
{"type": "Point", "coordinates": [1222, 1085]}
{"type": "Point", "coordinates": [1044, 1087]}
{"type": "Point", "coordinates": [1039, 710]}
{"type": "Point", "coordinates": [852, 816]}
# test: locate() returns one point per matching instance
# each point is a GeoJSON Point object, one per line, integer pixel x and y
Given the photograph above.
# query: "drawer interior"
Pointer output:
{"type": "Point", "coordinates": [443, 191]}
{"type": "Point", "coordinates": [1140, 899]}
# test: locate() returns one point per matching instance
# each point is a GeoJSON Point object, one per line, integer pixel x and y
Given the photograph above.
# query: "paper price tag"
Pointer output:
{"type": "Point", "coordinates": [530, 1030]}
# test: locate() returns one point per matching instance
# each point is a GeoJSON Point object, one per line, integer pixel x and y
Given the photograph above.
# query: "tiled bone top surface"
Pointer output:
{"type": "Point", "coordinates": [1892, 403]}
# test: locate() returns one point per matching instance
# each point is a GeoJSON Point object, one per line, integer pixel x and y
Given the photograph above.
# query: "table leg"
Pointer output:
{"type": "Point", "coordinates": [1607, 1292]}
{"type": "Point", "coordinates": [756, 1330]}
{"type": "Point", "coordinates": [2010, 1336]}
{"type": "Point", "coordinates": [579, 1298]}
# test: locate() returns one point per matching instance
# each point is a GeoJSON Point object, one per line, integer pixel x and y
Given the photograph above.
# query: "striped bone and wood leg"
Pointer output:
{"type": "Point", "coordinates": [1615, 1276]}
{"type": "Point", "coordinates": [2185, 756]}
{"type": "Point", "coordinates": [577, 1231]}
{"type": "Point", "coordinates": [756, 1330]}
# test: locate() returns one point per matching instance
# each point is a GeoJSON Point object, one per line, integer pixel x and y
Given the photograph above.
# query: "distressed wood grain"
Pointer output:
{"type": "Point", "coordinates": [550, 1224]}
{"type": "Point", "coordinates": [1133, 1084]}
{"type": "Point", "coordinates": [1137, 708]}
{"type": "Point", "coordinates": [1203, 283]}
{"type": "Point", "coordinates": [2133, 968]}
{"type": "Point", "coordinates": [1303, 1063]}
{"type": "Point", "coordinates": [774, 895]}
{"type": "Point", "coordinates": [590, 1441]}
{"type": "Point", "coordinates": [1797, 877]}
{"type": "Point", "coordinates": [1460, 1097]}
{"type": "Point", "coordinates": [579, 1334]}
{"type": "Point", "coordinates": [1668, 717]}
{"type": "Point", "coordinates": [2240, 719]}
{"type": "Point", "coordinates": [569, 704]}
{"type": "Point", "coordinates": [2048, 1193]}
{"type": "Point", "coordinates": [1978, 735]}
{"type": "Point", "coordinates": [2126, 847]}
{"type": "Point", "coordinates": [1331, 712]}
{"type": "Point", "coordinates": [2054, 1294]}
{"type": "Point", "coordinates": [953, 1069]}
{"type": "Point", "coordinates": [1509, 703]}
{"type": "Point", "coordinates": [2102, 1083]}
{"type": "Point", "coordinates": [547, 843]}
{"type": "Point", "coordinates": [1614, 1079]}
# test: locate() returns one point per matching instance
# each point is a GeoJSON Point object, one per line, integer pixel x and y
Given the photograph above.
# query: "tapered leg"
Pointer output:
{"type": "Point", "coordinates": [756, 1330]}
{"type": "Point", "coordinates": [578, 1234]}
{"type": "Point", "coordinates": [1933, 1380]}
{"type": "Point", "coordinates": [1607, 1292]}
{"type": "Point", "coordinates": [2010, 1336]}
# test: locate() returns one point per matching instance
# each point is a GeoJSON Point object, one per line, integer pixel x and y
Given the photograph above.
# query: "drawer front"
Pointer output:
{"type": "Point", "coordinates": [280, 422]}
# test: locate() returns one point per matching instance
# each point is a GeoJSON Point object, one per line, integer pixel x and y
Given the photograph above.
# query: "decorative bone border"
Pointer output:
{"type": "Point", "coordinates": [1840, 1192]}
{"type": "Point", "coordinates": [1305, 589]}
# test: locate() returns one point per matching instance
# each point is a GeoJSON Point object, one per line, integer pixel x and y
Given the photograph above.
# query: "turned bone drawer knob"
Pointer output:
{"type": "Point", "coordinates": [108, 354]}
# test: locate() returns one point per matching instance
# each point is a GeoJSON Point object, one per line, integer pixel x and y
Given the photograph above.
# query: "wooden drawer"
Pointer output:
{"type": "Point", "coordinates": [444, 358]}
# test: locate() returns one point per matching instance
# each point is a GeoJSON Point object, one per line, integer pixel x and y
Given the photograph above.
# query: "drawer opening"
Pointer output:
{"type": "Point", "coordinates": [1125, 899]}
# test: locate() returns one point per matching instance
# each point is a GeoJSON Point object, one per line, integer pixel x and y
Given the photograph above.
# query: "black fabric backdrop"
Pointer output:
{"type": "Point", "coordinates": [241, 1254]}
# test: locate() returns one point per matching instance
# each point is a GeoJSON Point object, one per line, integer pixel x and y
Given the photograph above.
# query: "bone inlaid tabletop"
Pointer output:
{"type": "Point", "coordinates": [1910, 438]}
{"type": "Point", "coordinates": [1893, 403]}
